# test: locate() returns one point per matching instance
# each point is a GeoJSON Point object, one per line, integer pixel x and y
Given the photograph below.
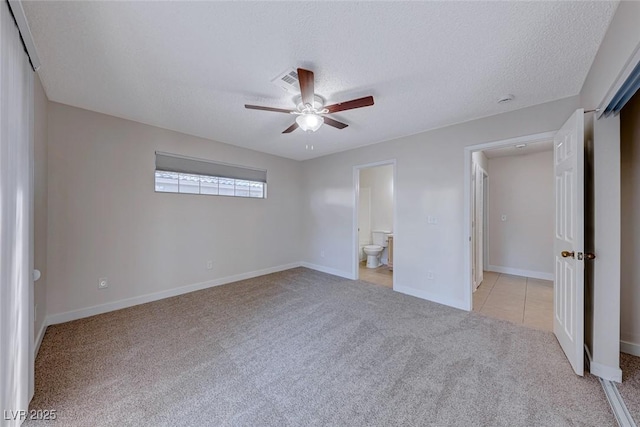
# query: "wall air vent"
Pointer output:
{"type": "Point", "coordinates": [288, 81]}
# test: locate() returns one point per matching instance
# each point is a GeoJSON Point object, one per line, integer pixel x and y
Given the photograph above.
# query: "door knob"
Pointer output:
{"type": "Point", "coordinates": [567, 254]}
{"type": "Point", "coordinates": [589, 256]}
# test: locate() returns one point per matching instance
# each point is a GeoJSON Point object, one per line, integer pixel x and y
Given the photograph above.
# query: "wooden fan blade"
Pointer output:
{"type": "Point", "coordinates": [305, 78]}
{"type": "Point", "coordinates": [334, 123]}
{"type": "Point", "coordinates": [276, 110]}
{"type": "Point", "coordinates": [350, 105]}
{"type": "Point", "coordinates": [291, 128]}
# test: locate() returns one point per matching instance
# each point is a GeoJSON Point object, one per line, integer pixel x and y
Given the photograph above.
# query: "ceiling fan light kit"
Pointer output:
{"type": "Point", "coordinates": [309, 122]}
{"type": "Point", "coordinates": [310, 107]}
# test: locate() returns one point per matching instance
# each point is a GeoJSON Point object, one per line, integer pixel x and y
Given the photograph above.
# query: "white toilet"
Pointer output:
{"type": "Point", "coordinates": [373, 252]}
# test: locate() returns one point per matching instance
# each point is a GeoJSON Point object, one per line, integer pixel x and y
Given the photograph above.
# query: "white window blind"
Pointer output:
{"type": "Point", "coordinates": [187, 175]}
{"type": "Point", "coordinates": [190, 165]}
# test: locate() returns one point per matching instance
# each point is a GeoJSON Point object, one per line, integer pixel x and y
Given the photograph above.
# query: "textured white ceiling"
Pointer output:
{"type": "Point", "coordinates": [512, 150]}
{"type": "Point", "coordinates": [191, 66]}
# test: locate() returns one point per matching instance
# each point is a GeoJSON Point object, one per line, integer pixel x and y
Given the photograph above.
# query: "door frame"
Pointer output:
{"type": "Point", "coordinates": [355, 244]}
{"type": "Point", "coordinates": [485, 223]}
{"type": "Point", "coordinates": [481, 226]}
{"type": "Point", "coordinates": [467, 212]}
{"type": "Point", "coordinates": [608, 340]}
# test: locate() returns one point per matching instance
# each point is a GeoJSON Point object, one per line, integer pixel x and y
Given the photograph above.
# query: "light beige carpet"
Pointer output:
{"type": "Point", "coordinates": [303, 348]}
{"type": "Point", "coordinates": [630, 387]}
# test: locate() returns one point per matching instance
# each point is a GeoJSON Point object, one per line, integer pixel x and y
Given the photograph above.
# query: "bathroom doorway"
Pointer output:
{"type": "Point", "coordinates": [374, 237]}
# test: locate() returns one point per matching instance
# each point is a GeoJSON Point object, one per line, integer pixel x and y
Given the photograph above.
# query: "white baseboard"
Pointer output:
{"type": "Point", "coordinates": [606, 372]}
{"type": "Point", "coordinates": [142, 299]}
{"type": "Point", "coordinates": [630, 348]}
{"type": "Point", "coordinates": [327, 270]}
{"type": "Point", "coordinates": [430, 297]}
{"type": "Point", "coordinates": [518, 272]}
{"type": "Point", "coordinates": [39, 337]}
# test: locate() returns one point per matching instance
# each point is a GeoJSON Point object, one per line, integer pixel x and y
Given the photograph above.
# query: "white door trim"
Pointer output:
{"type": "Point", "coordinates": [355, 244]}
{"type": "Point", "coordinates": [608, 350]}
{"type": "Point", "coordinates": [478, 247]}
{"type": "Point", "coordinates": [485, 223]}
{"type": "Point", "coordinates": [527, 139]}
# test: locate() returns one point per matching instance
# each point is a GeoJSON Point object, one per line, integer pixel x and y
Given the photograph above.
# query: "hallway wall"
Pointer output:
{"type": "Point", "coordinates": [522, 189]}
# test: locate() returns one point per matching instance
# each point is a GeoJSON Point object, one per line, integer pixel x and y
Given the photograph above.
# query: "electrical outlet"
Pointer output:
{"type": "Point", "coordinates": [103, 283]}
{"type": "Point", "coordinates": [322, 254]}
{"type": "Point", "coordinates": [432, 220]}
{"type": "Point", "coordinates": [209, 265]}
{"type": "Point", "coordinates": [430, 275]}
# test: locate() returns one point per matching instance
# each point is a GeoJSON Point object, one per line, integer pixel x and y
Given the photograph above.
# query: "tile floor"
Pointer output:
{"type": "Point", "coordinates": [518, 299]}
{"type": "Point", "coordinates": [380, 276]}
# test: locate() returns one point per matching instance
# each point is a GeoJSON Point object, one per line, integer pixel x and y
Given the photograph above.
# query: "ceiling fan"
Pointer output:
{"type": "Point", "coordinates": [311, 110]}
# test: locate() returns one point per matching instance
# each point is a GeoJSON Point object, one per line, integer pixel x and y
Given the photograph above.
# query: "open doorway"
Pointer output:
{"type": "Point", "coordinates": [374, 222]}
{"type": "Point", "coordinates": [512, 229]}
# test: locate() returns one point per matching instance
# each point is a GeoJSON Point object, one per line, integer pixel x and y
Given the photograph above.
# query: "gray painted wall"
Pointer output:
{"type": "Point", "coordinates": [105, 220]}
{"type": "Point", "coordinates": [522, 188]}
{"type": "Point", "coordinates": [429, 182]}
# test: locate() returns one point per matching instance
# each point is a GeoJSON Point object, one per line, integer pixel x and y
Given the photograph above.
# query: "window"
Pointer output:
{"type": "Point", "coordinates": [178, 174]}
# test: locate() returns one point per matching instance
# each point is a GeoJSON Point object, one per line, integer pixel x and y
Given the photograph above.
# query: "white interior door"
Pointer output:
{"type": "Point", "coordinates": [474, 235]}
{"type": "Point", "coordinates": [479, 221]}
{"type": "Point", "coordinates": [485, 233]}
{"type": "Point", "coordinates": [568, 311]}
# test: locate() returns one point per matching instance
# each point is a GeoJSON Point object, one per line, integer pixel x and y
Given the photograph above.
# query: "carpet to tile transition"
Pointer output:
{"type": "Point", "coordinates": [303, 348]}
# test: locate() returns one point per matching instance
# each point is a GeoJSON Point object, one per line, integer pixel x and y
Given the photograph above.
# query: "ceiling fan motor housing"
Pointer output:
{"type": "Point", "coordinates": [310, 106]}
